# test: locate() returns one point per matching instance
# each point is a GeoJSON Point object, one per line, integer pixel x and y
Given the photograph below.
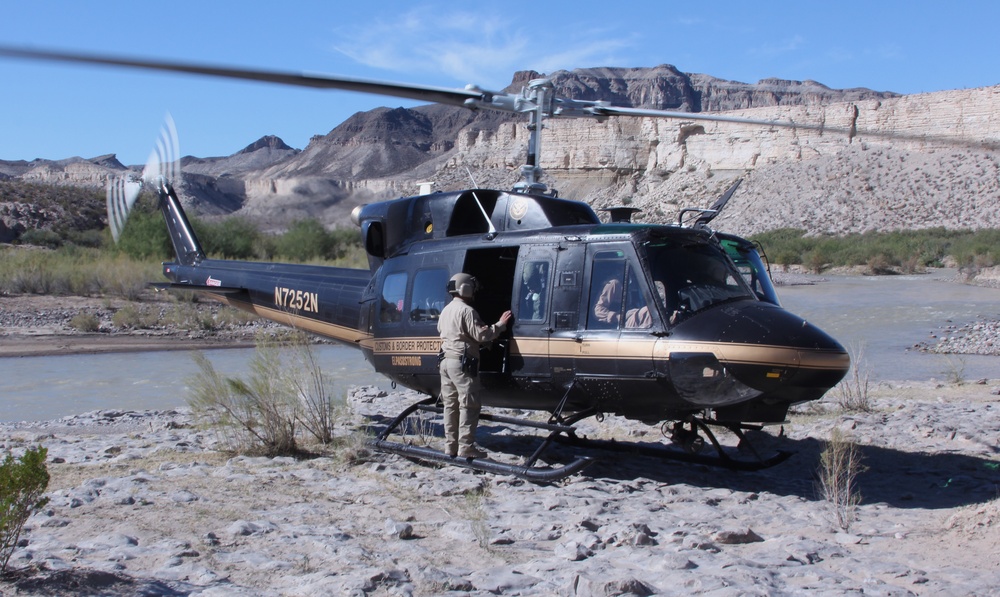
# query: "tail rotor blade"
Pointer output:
{"type": "Point", "coordinates": [164, 160]}
{"type": "Point", "coordinates": [164, 165]}
{"type": "Point", "coordinates": [122, 193]}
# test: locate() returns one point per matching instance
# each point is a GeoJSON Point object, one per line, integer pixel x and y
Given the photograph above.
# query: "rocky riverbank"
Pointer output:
{"type": "Point", "coordinates": [146, 503]}
{"type": "Point", "coordinates": [37, 325]}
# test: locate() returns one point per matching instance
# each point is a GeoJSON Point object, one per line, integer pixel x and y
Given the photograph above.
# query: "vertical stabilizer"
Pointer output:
{"type": "Point", "coordinates": [186, 245]}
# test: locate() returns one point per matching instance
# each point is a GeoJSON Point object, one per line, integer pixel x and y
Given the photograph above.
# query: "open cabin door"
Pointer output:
{"type": "Point", "coordinates": [494, 269]}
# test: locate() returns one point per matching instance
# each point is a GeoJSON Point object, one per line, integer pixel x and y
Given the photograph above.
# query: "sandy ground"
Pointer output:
{"type": "Point", "coordinates": [149, 503]}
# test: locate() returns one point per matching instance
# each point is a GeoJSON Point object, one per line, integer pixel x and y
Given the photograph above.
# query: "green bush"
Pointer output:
{"type": "Point", "coordinates": [305, 240]}
{"type": "Point", "coordinates": [145, 235]}
{"type": "Point", "coordinates": [42, 238]}
{"type": "Point", "coordinates": [255, 415]}
{"type": "Point", "coordinates": [231, 238]}
{"type": "Point", "coordinates": [907, 250]}
{"type": "Point", "coordinates": [22, 483]}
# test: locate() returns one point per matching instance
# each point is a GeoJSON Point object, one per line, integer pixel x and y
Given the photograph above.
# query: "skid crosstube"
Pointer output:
{"type": "Point", "coordinates": [525, 471]}
{"type": "Point", "coordinates": [530, 473]}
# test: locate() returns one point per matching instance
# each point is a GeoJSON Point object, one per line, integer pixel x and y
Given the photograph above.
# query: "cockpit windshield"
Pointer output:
{"type": "Point", "coordinates": [694, 276]}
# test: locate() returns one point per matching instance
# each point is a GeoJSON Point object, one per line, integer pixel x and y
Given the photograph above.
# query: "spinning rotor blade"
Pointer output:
{"type": "Point", "coordinates": [122, 193]}
{"type": "Point", "coordinates": [164, 165]}
{"type": "Point", "coordinates": [165, 158]}
{"type": "Point", "coordinates": [443, 95]}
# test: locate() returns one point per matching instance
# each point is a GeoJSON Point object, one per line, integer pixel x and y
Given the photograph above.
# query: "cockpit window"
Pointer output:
{"type": "Point", "coordinates": [429, 295]}
{"type": "Point", "coordinates": [393, 291]}
{"type": "Point", "coordinates": [694, 277]}
{"type": "Point", "coordinates": [617, 300]}
{"type": "Point", "coordinates": [748, 261]}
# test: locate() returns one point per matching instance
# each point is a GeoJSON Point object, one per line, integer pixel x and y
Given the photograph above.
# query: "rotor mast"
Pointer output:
{"type": "Point", "coordinates": [531, 172]}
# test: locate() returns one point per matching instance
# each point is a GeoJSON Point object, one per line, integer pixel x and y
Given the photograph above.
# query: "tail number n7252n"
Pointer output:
{"type": "Point", "coordinates": [301, 300]}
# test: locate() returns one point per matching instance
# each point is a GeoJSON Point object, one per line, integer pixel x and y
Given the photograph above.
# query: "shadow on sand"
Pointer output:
{"type": "Point", "coordinates": [897, 478]}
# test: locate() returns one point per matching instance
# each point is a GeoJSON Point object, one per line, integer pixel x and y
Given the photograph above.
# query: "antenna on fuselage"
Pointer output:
{"type": "Point", "coordinates": [489, 222]}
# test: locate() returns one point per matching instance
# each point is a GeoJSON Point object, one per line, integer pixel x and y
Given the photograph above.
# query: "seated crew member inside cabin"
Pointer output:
{"type": "Point", "coordinates": [641, 318]}
{"type": "Point", "coordinates": [462, 331]}
{"type": "Point", "coordinates": [607, 309]}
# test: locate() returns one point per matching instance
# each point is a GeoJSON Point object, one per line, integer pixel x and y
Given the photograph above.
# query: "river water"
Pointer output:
{"type": "Point", "coordinates": [884, 315]}
{"type": "Point", "coordinates": [43, 388]}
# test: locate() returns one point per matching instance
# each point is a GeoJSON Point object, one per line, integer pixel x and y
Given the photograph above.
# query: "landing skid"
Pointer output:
{"type": "Point", "coordinates": [691, 443]}
{"type": "Point", "coordinates": [562, 430]}
{"type": "Point", "coordinates": [527, 470]}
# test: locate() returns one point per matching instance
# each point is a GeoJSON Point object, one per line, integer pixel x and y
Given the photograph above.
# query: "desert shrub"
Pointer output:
{"type": "Point", "coordinates": [22, 483]}
{"type": "Point", "coordinates": [816, 260]}
{"type": "Point", "coordinates": [41, 237]}
{"type": "Point", "coordinates": [910, 250]}
{"type": "Point", "coordinates": [261, 414]}
{"type": "Point", "coordinates": [136, 317]}
{"type": "Point", "coordinates": [878, 265]}
{"type": "Point", "coordinates": [253, 416]}
{"type": "Point", "coordinates": [853, 391]}
{"type": "Point", "coordinates": [145, 235]}
{"type": "Point", "coordinates": [187, 315]}
{"type": "Point", "coordinates": [75, 270]}
{"type": "Point", "coordinates": [840, 465]}
{"type": "Point", "coordinates": [228, 317]}
{"type": "Point", "coordinates": [305, 379]}
{"type": "Point", "coordinates": [85, 322]}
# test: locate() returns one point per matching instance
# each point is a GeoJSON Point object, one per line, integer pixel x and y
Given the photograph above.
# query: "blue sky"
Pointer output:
{"type": "Point", "coordinates": [56, 111]}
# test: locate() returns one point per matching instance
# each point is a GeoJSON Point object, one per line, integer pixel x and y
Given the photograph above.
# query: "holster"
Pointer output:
{"type": "Point", "coordinates": [470, 365]}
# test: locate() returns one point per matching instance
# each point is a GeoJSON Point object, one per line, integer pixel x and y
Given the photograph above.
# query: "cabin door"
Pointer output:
{"type": "Point", "coordinates": [531, 306]}
{"type": "Point", "coordinates": [613, 343]}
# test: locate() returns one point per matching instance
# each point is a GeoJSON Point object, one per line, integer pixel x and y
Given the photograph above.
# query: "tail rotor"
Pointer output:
{"type": "Point", "coordinates": [162, 167]}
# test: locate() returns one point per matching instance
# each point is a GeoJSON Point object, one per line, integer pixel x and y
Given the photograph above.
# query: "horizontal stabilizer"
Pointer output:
{"type": "Point", "coordinates": [226, 290]}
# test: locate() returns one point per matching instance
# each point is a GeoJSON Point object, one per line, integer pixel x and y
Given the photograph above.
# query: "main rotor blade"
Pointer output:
{"type": "Point", "coordinates": [443, 95]}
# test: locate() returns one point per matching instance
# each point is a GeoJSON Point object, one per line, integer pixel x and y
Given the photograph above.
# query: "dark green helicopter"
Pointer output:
{"type": "Point", "coordinates": [694, 339]}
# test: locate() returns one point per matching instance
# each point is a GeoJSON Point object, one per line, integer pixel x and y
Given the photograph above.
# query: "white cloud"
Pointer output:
{"type": "Point", "coordinates": [779, 47]}
{"type": "Point", "coordinates": [481, 48]}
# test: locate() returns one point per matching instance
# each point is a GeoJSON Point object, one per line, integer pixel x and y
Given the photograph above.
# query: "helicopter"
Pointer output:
{"type": "Point", "coordinates": [697, 340]}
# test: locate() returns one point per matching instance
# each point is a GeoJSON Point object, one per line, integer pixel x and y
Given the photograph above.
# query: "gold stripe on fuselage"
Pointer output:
{"type": "Point", "coordinates": [623, 348]}
{"type": "Point", "coordinates": [323, 328]}
{"type": "Point", "coordinates": [626, 348]}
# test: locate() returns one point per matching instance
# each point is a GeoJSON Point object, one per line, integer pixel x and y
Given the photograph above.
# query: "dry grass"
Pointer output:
{"type": "Point", "coordinates": [853, 392]}
{"type": "Point", "coordinates": [840, 465]}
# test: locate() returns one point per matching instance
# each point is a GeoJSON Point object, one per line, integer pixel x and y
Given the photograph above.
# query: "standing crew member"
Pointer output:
{"type": "Point", "coordinates": [462, 331]}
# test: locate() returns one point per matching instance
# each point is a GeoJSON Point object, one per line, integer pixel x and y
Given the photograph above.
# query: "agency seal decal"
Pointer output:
{"type": "Point", "coordinates": [518, 208]}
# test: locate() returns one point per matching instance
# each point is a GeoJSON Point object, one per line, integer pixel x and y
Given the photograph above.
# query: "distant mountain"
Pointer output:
{"type": "Point", "coordinates": [658, 165]}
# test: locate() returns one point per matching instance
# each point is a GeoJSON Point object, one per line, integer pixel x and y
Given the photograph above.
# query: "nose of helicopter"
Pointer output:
{"type": "Point", "coordinates": [753, 349]}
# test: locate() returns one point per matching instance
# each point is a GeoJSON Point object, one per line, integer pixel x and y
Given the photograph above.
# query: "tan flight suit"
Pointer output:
{"type": "Point", "coordinates": [462, 331]}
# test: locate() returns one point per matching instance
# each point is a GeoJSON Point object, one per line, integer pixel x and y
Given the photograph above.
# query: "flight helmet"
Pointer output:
{"type": "Point", "coordinates": [463, 285]}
